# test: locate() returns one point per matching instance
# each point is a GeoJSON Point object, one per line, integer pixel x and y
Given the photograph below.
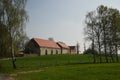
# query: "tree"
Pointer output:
{"type": "Point", "coordinates": [13, 16]}
{"type": "Point", "coordinates": [104, 24]}
{"type": "Point", "coordinates": [3, 40]}
{"type": "Point", "coordinates": [89, 30]}
{"type": "Point", "coordinates": [102, 29]}
{"type": "Point", "coordinates": [115, 30]}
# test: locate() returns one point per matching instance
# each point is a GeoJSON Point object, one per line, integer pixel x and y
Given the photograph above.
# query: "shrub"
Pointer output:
{"type": "Point", "coordinates": [90, 51]}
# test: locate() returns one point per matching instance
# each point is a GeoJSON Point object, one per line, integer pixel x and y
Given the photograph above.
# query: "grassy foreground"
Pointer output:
{"type": "Point", "coordinates": [75, 72]}
{"type": "Point", "coordinates": [60, 67]}
{"type": "Point", "coordinates": [33, 63]}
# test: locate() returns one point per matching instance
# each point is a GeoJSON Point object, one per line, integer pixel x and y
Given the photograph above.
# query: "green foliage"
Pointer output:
{"type": "Point", "coordinates": [12, 23]}
{"type": "Point", "coordinates": [90, 51]}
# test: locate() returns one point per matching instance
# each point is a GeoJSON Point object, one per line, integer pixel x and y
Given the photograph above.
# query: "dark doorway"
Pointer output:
{"type": "Point", "coordinates": [46, 52]}
{"type": "Point", "coordinates": [51, 52]}
{"type": "Point", "coordinates": [40, 52]}
{"type": "Point", "coordinates": [56, 51]}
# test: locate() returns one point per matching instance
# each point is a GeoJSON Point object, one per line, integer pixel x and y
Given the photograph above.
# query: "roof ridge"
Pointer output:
{"type": "Point", "coordinates": [44, 39]}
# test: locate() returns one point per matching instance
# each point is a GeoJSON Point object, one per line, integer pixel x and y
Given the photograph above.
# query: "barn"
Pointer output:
{"type": "Point", "coordinates": [63, 47]}
{"type": "Point", "coordinates": [37, 46]}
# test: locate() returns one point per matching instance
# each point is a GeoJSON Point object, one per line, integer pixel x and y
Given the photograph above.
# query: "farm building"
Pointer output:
{"type": "Point", "coordinates": [37, 46]}
{"type": "Point", "coordinates": [73, 49]}
{"type": "Point", "coordinates": [64, 48]}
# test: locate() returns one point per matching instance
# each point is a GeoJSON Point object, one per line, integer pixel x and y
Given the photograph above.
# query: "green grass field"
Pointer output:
{"type": "Point", "coordinates": [60, 67]}
{"type": "Point", "coordinates": [75, 72]}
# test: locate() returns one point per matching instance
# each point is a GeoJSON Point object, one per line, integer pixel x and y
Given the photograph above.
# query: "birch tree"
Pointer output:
{"type": "Point", "coordinates": [13, 16]}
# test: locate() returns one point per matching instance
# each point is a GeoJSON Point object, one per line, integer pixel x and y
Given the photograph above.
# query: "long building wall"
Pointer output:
{"type": "Point", "coordinates": [65, 51]}
{"type": "Point", "coordinates": [48, 51]}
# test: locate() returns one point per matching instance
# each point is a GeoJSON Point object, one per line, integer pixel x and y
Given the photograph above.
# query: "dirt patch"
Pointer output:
{"type": "Point", "coordinates": [5, 77]}
{"type": "Point", "coordinates": [25, 72]}
{"type": "Point", "coordinates": [10, 77]}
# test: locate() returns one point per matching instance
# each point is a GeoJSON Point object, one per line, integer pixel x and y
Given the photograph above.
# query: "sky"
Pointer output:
{"type": "Point", "coordinates": [63, 20]}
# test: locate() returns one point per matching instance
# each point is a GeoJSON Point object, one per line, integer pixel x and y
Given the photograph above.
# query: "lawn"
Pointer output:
{"type": "Point", "coordinates": [33, 63]}
{"type": "Point", "coordinates": [75, 72]}
{"type": "Point", "coordinates": [60, 67]}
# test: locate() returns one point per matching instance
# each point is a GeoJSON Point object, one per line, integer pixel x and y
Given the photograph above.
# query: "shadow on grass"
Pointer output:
{"type": "Point", "coordinates": [89, 63]}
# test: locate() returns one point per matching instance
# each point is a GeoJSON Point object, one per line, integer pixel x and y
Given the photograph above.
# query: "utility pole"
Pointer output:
{"type": "Point", "coordinates": [78, 48]}
{"type": "Point", "coordinates": [84, 47]}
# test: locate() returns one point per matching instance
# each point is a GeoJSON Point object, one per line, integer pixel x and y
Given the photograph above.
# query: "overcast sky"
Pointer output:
{"type": "Point", "coordinates": [62, 20]}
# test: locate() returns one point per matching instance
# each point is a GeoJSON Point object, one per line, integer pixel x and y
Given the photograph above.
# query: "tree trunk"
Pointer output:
{"type": "Point", "coordinates": [94, 58]}
{"type": "Point", "coordinates": [105, 47]}
{"type": "Point", "coordinates": [99, 46]}
{"type": "Point", "coordinates": [116, 52]}
{"type": "Point", "coordinates": [12, 53]}
{"type": "Point", "coordinates": [110, 49]}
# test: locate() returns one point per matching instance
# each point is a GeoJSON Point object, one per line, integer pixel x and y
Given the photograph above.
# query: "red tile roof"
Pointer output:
{"type": "Point", "coordinates": [63, 45]}
{"type": "Point", "coordinates": [46, 43]}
